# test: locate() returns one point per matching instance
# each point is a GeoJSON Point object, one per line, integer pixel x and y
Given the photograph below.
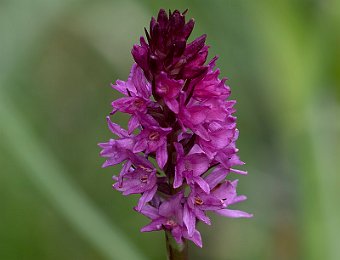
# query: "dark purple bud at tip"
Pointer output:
{"type": "Point", "coordinates": [188, 27]}
{"type": "Point", "coordinates": [179, 48]}
{"type": "Point", "coordinates": [177, 21]}
{"type": "Point", "coordinates": [140, 55]}
{"type": "Point", "coordinates": [195, 46]}
{"type": "Point", "coordinates": [165, 47]}
{"type": "Point", "coordinates": [152, 23]}
{"type": "Point", "coordinates": [162, 18]}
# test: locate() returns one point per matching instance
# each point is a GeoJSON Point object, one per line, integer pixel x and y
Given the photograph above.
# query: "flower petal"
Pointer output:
{"type": "Point", "coordinates": [156, 224]}
{"type": "Point", "coordinates": [172, 104]}
{"type": "Point", "coordinates": [189, 219]}
{"type": "Point", "coordinates": [203, 185]}
{"type": "Point", "coordinates": [162, 155]}
{"type": "Point", "coordinates": [216, 176]}
{"type": "Point", "coordinates": [116, 129]}
{"type": "Point", "coordinates": [149, 211]}
{"type": "Point", "coordinates": [146, 197]}
{"type": "Point", "coordinates": [140, 146]}
{"type": "Point", "coordinates": [133, 124]}
{"type": "Point", "coordinates": [168, 208]}
{"type": "Point", "coordinates": [178, 177]}
{"type": "Point", "coordinates": [196, 238]}
{"type": "Point", "coordinates": [233, 213]}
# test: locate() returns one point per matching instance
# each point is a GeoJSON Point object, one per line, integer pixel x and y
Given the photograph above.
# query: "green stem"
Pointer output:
{"type": "Point", "coordinates": [176, 251]}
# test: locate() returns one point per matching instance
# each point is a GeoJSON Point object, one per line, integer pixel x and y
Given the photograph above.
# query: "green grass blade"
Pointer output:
{"type": "Point", "coordinates": [50, 177]}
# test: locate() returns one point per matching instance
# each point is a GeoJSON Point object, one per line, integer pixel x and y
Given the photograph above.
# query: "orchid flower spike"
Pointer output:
{"type": "Point", "coordinates": [179, 145]}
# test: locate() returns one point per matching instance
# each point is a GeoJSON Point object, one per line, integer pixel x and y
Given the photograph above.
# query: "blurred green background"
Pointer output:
{"type": "Point", "coordinates": [57, 59]}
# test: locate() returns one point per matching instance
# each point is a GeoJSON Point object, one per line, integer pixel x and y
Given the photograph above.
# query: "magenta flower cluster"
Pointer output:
{"type": "Point", "coordinates": [179, 144]}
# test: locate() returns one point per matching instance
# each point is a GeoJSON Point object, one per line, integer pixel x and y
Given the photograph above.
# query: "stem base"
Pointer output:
{"type": "Point", "coordinates": [176, 251]}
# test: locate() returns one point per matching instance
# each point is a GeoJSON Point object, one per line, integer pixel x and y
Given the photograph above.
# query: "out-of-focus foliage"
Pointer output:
{"type": "Point", "coordinates": [57, 58]}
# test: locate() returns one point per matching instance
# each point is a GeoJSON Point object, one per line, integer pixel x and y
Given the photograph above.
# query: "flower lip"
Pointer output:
{"type": "Point", "coordinates": [146, 169]}
{"type": "Point", "coordinates": [170, 223]}
{"type": "Point", "coordinates": [154, 136]}
{"type": "Point", "coordinates": [198, 201]}
{"type": "Point", "coordinates": [187, 165]}
{"type": "Point", "coordinates": [139, 103]}
{"type": "Point", "coordinates": [163, 89]}
{"type": "Point", "coordinates": [144, 178]}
